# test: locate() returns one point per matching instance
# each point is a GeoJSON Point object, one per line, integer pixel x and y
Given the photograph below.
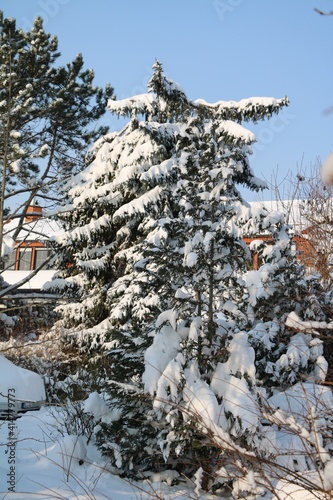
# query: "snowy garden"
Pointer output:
{"type": "Point", "coordinates": [175, 368]}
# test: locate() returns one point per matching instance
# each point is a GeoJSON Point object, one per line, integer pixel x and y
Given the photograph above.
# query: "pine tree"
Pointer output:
{"type": "Point", "coordinates": [48, 116]}
{"type": "Point", "coordinates": [195, 338]}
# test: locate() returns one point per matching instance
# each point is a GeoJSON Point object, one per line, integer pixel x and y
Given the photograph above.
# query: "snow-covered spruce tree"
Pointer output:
{"type": "Point", "coordinates": [195, 338]}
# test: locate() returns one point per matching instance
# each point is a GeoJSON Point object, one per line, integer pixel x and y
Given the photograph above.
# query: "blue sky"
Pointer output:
{"type": "Point", "coordinates": [216, 50]}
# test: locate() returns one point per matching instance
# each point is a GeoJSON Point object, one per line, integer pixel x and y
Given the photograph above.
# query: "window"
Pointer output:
{"type": "Point", "coordinates": [25, 259]}
{"type": "Point", "coordinates": [41, 254]}
{"type": "Point", "coordinates": [10, 261]}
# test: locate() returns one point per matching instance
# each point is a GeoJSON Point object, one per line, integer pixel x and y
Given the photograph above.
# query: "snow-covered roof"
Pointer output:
{"type": "Point", "coordinates": [38, 229]}
{"type": "Point", "coordinates": [35, 283]}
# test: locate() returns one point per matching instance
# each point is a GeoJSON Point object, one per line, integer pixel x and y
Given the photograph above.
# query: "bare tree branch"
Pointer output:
{"type": "Point", "coordinates": [322, 13]}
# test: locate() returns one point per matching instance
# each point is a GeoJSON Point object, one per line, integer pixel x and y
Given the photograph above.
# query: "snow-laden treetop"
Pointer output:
{"type": "Point", "coordinates": [148, 104]}
{"type": "Point", "coordinates": [164, 124]}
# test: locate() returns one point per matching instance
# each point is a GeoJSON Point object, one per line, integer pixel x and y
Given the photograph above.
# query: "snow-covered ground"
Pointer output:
{"type": "Point", "coordinates": [47, 463]}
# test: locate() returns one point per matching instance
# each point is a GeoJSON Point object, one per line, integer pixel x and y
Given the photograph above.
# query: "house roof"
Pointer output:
{"type": "Point", "coordinates": [39, 229]}
{"type": "Point", "coordinates": [35, 283]}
